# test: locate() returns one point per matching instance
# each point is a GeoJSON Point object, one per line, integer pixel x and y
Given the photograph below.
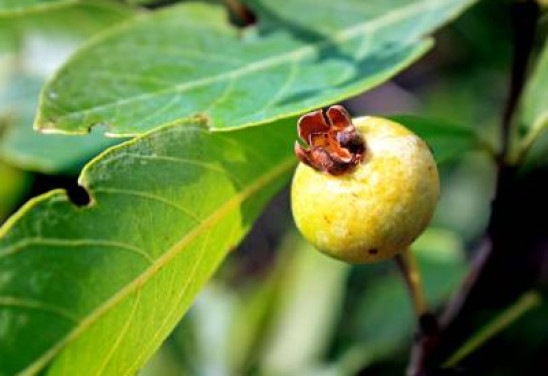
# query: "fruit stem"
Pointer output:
{"type": "Point", "coordinates": [407, 264]}
{"type": "Point", "coordinates": [427, 334]}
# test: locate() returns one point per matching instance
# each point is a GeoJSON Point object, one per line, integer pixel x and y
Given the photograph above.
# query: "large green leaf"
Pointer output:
{"type": "Point", "coordinates": [188, 61]}
{"type": "Point", "coordinates": [96, 289]}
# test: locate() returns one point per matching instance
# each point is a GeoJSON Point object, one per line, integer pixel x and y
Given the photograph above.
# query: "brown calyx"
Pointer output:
{"type": "Point", "coordinates": [334, 144]}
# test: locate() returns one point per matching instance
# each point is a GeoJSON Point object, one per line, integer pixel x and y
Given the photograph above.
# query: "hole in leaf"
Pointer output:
{"type": "Point", "coordinates": [79, 195]}
{"type": "Point", "coordinates": [43, 183]}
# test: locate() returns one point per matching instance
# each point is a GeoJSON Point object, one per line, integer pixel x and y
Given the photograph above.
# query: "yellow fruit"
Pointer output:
{"type": "Point", "coordinates": [379, 207]}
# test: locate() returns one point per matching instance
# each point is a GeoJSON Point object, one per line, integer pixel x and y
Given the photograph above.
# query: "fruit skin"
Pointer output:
{"type": "Point", "coordinates": [378, 209]}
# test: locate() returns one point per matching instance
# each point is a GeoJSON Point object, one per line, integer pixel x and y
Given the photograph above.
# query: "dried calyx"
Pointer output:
{"type": "Point", "coordinates": [333, 143]}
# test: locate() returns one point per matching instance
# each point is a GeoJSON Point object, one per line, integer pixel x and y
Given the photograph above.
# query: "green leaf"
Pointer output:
{"type": "Point", "coordinates": [535, 100]}
{"type": "Point", "coordinates": [447, 140]}
{"type": "Point", "coordinates": [96, 289]}
{"type": "Point", "coordinates": [21, 146]}
{"type": "Point", "coordinates": [17, 6]}
{"type": "Point", "coordinates": [529, 300]}
{"type": "Point", "coordinates": [535, 111]}
{"type": "Point", "coordinates": [187, 61]}
{"type": "Point", "coordinates": [11, 8]}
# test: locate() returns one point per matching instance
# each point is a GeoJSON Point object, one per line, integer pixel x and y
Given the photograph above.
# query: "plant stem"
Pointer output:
{"type": "Point", "coordinates": [477, 263]}
{"type": "Point", "coordinates": [527, 302]}
{"type": "Point", "coordinates": [525, 25]}
{"type": "Point", "coordinates": [407, 264]}
{"type": "Point", "coordinates": [525, 16]}
{"type": "Point", "coordinates": [527, 142]}
{"type": "Point", "coordinates": [494, 253]}
{"type": "Point", "coordinates": [426, 337]}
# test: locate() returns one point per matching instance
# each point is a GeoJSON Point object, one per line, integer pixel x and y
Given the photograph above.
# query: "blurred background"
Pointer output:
{"type": "Point", "coordinates": [277, 307]}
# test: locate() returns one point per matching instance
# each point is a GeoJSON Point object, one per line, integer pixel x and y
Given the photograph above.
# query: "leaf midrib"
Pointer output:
{"type": "Point", "coordinates": [262, 64]}
{"type": "Point", "coordinates": [151, 271]}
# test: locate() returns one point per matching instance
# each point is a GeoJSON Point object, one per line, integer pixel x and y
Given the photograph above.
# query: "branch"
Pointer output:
{"type": "Point", "coordinates": [525, 16]}
{"type": "Point", "coordinates": [430, 353]}
{"type": "Point", "coordinates": [427, 324]}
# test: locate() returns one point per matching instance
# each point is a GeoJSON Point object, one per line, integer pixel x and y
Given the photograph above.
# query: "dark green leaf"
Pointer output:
{"type": "Point", "coordinates": [528, 301]}
{"type": "Point", "coordinates": [96, 289]}
{"type": "Point", "coordinates": [187, 61]}
{"type": "Point", "coordinates": [448, 141]}
{"type": "Point", "coordinates": [535, 113]}
{"type": "Point", "coordinates": [535, 101]}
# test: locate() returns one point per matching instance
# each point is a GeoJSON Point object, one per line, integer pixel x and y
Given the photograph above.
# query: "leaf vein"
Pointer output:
{"type": "Point", "coordinates": [13, 301]}
{"type": "Point", "coordinates": [150, 196]}
{"type": "Point", "coordinates": [224, 95]}
{"type": "Point", "coordinates": [161, 109]}
{"type": "Point", "coordinates": [165, 158]}
{"type": "Point", "coordinates": [179, 298]}
{"type": "Point", "coordinates": [125, 76]}
{"type": "Point", "coordinates": [206, 165]}
{"type": "Point", "coordinates": [292, 74]}
{"type": "Point", "coordinates": [121, 335]}
{"type": "Point", "coordinates": [18, 247]}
